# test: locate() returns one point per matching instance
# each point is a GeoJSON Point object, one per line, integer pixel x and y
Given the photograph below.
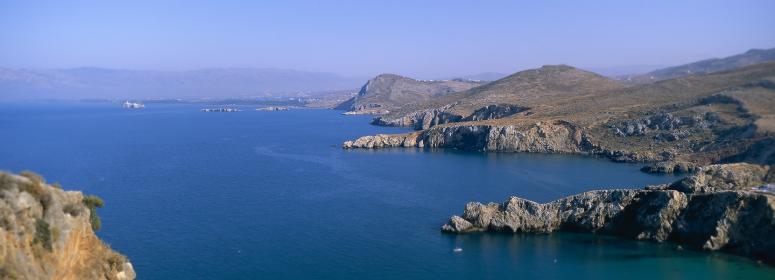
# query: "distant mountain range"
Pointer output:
{"type": "Point", "coordinates": [484, 76]}
{"type": "Point", "coordinates": [78, 83]}
{"type": "Point", "coordinates": [712, 65]}
{"type": "Point", "coordinates": [625, 70]}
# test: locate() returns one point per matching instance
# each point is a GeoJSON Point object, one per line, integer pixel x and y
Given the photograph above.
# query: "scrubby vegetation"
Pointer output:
{"type": "Point", "coordinates": [35, 188]}
{"type": "Point", "coordinates": [42, 234]}
{"type": "Point", "coordinates": [93, 202]}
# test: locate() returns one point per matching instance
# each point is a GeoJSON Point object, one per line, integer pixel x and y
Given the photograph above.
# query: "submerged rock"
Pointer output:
{"type": "Point", "coordinates": [713, 209]}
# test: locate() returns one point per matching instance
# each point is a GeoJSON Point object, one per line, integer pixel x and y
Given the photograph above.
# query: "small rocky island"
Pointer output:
{"type": "Point", "coordinates": [725, 207]}
{"type": "Point", "coordinates": [274, 108]}
{"type": "Point", "coordinates": [221, 110]}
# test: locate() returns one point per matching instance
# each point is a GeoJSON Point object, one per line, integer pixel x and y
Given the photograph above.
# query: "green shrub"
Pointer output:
{"type": "Point", "coordinates": [93, 202]}
{"type": "Point", "coordinates": [42, 234]}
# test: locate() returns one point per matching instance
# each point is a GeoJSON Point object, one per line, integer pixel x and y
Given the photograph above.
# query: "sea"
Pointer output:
{"type": "Point", "coordinates": [272, 195]}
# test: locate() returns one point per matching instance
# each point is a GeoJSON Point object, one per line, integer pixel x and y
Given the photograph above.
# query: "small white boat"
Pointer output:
{"type": "Point", "coordinates": [457, 250]}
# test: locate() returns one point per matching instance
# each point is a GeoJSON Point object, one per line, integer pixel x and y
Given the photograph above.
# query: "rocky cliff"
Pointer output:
{"type": "Point", "coordinates": [673, 125]}
{"type": "Point", "coordinates": [719, 207]}
{"type": "Point", "coordinates": [427, 118]}
{"type": "Point", "coordinates": [47, 233]}
{"type": "Point", "coordinates": [542, 137]}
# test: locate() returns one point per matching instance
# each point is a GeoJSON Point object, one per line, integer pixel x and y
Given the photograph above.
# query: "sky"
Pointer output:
{"type": "Point", "coordinates": [423, 39]}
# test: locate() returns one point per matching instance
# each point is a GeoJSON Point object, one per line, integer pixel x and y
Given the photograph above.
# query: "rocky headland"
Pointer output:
{"type": "Point", "coordinates": [728, 208]}
{"type": "Point", "coordinates": [674, 125]}
{"type": "Point", "coordinates": [48, 233]}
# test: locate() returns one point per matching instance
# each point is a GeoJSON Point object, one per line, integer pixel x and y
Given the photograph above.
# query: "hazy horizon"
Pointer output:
{"type": "Point", "coordinates": [354, 39]}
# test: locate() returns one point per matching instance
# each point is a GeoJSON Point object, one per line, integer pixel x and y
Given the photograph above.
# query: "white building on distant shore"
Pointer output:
{"type": "Point", "coordinates": [132, 105]}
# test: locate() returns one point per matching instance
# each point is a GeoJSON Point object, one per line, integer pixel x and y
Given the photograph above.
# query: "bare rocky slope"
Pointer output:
{"type": "Point", "coordinates": [718, 208]}
{"type": "Point", "coordinates": [502, 98]}
{"type": "Point", "coordinates": [675, 124]}
{"type": "Point", "coordinates": [47, 233]}
{"type": "Point", "coordinates": [388, 92]}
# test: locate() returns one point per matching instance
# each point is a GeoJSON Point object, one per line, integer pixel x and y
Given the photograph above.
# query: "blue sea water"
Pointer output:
{"type": "Point", "coordinates": [271, 195]}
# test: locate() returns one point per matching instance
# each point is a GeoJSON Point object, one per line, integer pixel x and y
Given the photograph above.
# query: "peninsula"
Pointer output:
{"type": "Point", "coordinates": [675, 124]}
{"type": "Point", "coordinates": [728, 208]}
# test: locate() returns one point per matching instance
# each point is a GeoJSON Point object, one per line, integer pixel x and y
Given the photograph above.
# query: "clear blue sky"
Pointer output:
{"type": "Point", "coordinates": [359, 38]}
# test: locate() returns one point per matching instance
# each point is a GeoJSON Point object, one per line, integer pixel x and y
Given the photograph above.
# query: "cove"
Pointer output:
{"type": "Point", "coordinates": [271, 195]}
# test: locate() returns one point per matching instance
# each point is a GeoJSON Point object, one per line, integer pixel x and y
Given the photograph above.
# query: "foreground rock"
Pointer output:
{"type": "Point", "coordinates": [717, 208]}
{"type": "Point", "coordinates": [47, 233]}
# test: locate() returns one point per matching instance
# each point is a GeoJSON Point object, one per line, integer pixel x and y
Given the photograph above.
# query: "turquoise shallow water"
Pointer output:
{"type": "Point", "coordinates": [270, 195]}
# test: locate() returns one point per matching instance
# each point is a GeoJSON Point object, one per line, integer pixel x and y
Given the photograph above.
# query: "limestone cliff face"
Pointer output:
{"type": "Point", "coordinates": [427, 118]}
{"type": "Point", "coordinates": [419, 120]}
{"type": "Point", "coordinates": [721, 211]}
{"type": "Point", "coordinates": [556, 137]}
{"type": "Point", "coordinates": [46, 233]}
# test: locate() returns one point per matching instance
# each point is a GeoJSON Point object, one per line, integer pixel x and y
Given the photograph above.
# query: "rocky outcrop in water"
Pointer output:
{"type": "Point", "coordinates": [47, 233]}
{"type": "Point", "coordinates": [382, 141]}
{"type": "Point", "coordinates": [716, 208]}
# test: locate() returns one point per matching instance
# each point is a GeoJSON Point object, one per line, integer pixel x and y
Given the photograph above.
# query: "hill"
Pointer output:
{"type": "Point", "coordinates": [676, 123]}
{"type": "Point", "coordinates": [388, 92]}
{"type": "Point", "coordinates": [501, 98]}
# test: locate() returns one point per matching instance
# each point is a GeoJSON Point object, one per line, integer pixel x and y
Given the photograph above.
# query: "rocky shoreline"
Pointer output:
{"type": "Point", "coordinates": [542, 137]}
{"type": "Point", "coordinates": [717, 208]}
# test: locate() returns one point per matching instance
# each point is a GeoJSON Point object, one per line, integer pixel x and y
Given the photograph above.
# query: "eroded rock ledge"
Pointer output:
{"type": "Point", "coordinates": [427, 118]}
{"type": "Point", "coordinates": [557, 137]}
{"type": "Point", "coordinates": [46, 233]}
{"type": "Point", "coordinates": [720, 207]}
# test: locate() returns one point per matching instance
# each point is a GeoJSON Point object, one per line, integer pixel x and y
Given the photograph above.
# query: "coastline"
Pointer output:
{"type": "Point", "coordinates": [717, 208]}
